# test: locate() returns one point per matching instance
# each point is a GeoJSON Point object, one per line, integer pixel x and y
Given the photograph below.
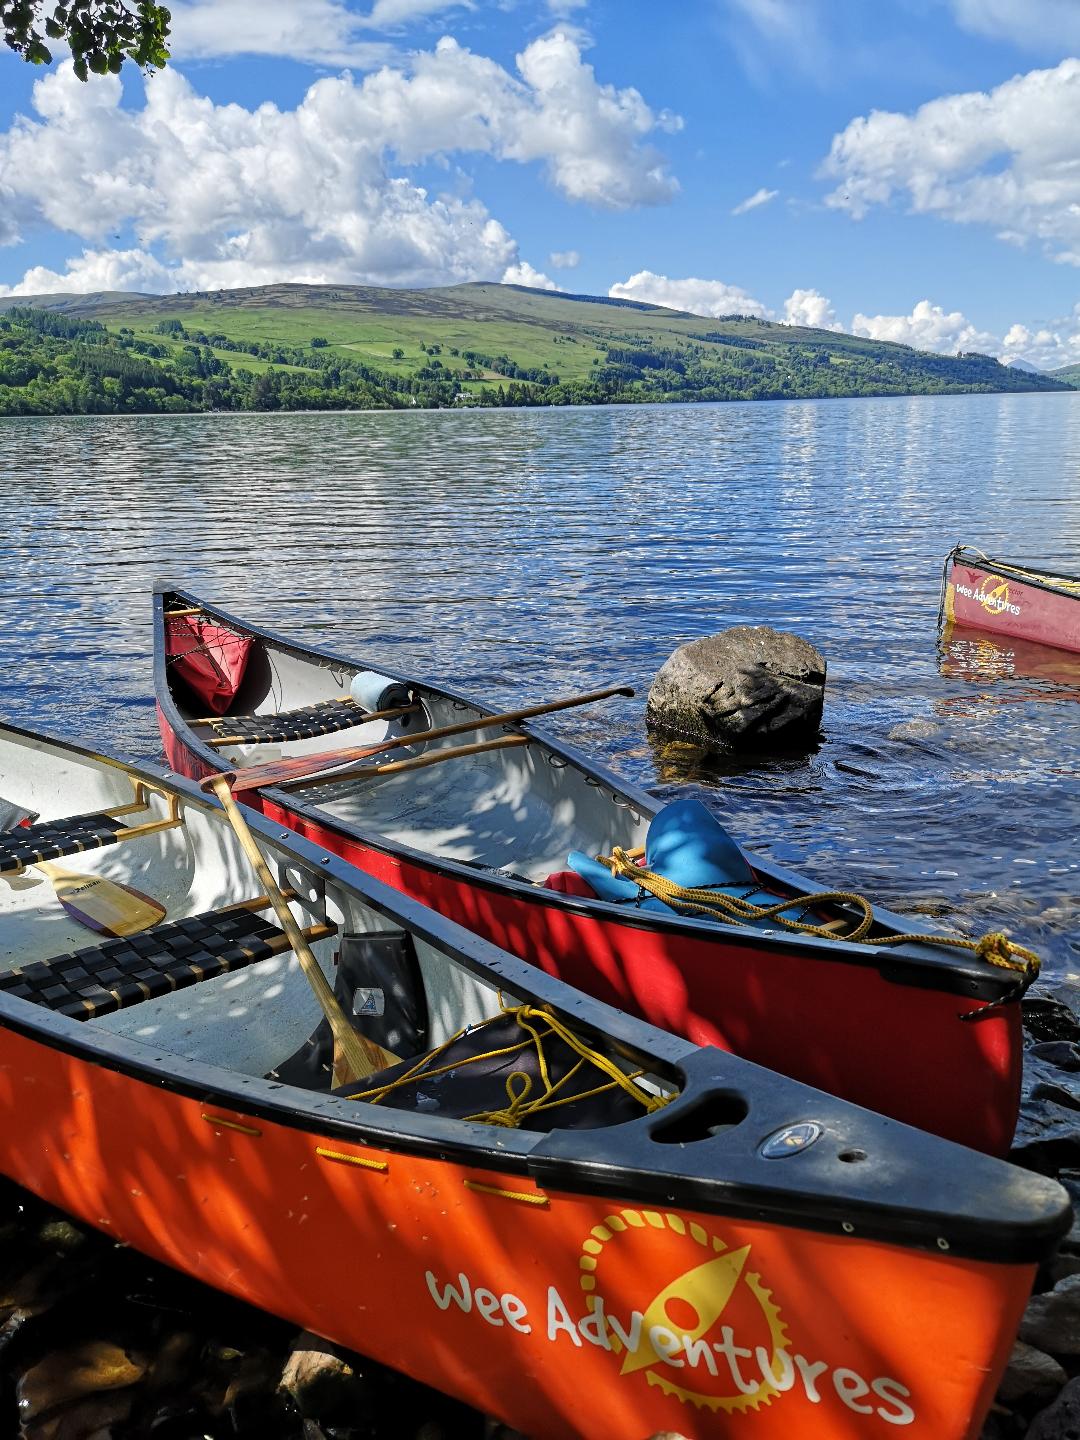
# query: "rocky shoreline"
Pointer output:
{"type": "Point", "coordinates": [99, 1343]}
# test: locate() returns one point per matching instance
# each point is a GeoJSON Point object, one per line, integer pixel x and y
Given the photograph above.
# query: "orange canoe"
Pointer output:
{"type": "Point", "coordinates": [569, 1219]}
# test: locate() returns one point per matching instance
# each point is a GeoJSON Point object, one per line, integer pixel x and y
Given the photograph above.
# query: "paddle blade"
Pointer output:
{"type": "Point", "coordinates": [293, 767]}
{"type": "Point", "coordinates": [103, 905]}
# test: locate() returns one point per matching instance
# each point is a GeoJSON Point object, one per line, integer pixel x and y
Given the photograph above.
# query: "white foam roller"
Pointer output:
{"type": "Point", "coordinates": [378, 692]}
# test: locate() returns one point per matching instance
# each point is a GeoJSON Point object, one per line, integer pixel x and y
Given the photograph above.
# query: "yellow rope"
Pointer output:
{"type": "Point", "coordinates": [519, 1083]}
{"type": "Point", "coordinates": [995, 948]}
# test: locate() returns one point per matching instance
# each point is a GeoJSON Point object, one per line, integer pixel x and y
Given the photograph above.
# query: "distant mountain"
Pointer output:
{"type": "Point", "coordinates": [354, 346]}
{"type": "Point", "coordinates": [1026, 366]}
{"type": "Point", "coordinates": [75, 304]}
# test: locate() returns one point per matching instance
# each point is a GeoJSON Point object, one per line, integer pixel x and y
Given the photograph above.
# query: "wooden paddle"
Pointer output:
{"type": "Point", "coordinates": [103, 905]}
{"type": "Point", "coordinates": [302, 767]}
{"type": "Point", "coordinates": [355, 1056]}
{"type": "Point", "coordinates": [421, 762]}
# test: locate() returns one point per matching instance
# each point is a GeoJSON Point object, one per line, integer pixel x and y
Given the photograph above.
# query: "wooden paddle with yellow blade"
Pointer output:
{"type": "Point", "coordinates": [103, 905]}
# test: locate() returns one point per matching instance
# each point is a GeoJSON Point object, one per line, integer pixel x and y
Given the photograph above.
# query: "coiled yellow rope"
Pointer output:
{"type": "Point", "coordinates": [995, 947]}
{"type": "Point", "coordinates": [538, 1025]}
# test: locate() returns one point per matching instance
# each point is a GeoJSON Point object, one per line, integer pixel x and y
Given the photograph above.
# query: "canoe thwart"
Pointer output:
{"type": "Point", "coordinates": [71, 835]}
{"type": "Point", "coordinates": [102, 978]}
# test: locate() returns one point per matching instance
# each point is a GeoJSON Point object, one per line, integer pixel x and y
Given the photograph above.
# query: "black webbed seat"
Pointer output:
{"type": "Point", "coordinates": [102, 978]}
{"type": "Point", "coordinates": [52, 839]}
{"type": "Point", "coordinates": [304, 724]}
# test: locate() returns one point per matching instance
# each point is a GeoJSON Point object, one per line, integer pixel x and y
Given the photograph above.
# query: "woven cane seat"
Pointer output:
{"type": "Point", "coordinates": [51, 839]}
{"type": "Point", "coordinates": [303, 724]}
{"type": "Point", "coordinates": [102, 978]}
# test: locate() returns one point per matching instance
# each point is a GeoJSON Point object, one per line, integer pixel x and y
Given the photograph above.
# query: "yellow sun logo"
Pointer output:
{"type": "Point", "coordinates": [996, 599]}
{"type": "Point", "coordinates": [689, 1308]}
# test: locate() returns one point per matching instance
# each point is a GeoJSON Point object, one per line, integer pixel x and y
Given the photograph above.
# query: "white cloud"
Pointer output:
{"type": "Point", "coordinates": [812, 309]}
{"type": "Point", "coordinates": [222, 195]}
{"type": "Point", "coordinates": [700, 297]}
{"type": "Point", "coordinates": [386, 14]}
{"type": "Point", "coordinates": [98, 270]}
{"type": "Point", "coordinates": [565, 259]}
{"type": "Point", "coordinates": [321, 32]}
{"type": "Point", "coordinates": [522, 273]}
{"type": "Point", "coordinates": [1040, 25]}
{"type": "Point", "coordinates": [928, 327]}
{"type": "Point", "coordinates": [1049, 346]}
{"type": "Point", "coordinates": [759, 197]}
{"type": "Point", "coordinates": [1007, 159]}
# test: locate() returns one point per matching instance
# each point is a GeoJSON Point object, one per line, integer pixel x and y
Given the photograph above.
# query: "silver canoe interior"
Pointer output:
{"type": "Point", "coordinates": [522, 809]}
{"type": "Point", "coordinates": [248, 1021]}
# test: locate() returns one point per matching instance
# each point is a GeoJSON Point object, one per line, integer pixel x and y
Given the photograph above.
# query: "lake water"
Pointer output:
{"type": "Point", "coordinates": [524, 555]}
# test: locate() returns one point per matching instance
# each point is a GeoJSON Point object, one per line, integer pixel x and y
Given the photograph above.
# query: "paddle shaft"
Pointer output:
{"type": "Point", "coordinates": [362, 1055]}
{"type": "Point", "coordinates": [420, 762]}
{"type": "Point", "coordinates": [300, 767]}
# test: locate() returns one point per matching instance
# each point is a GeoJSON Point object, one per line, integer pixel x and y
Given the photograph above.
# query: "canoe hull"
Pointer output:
{"type": "Point", "coordinates": [835, 1025]}
{"type": "Point", "coordinates": [981, 597]}
{"type": "Point", "coordinates": [860, 1336]}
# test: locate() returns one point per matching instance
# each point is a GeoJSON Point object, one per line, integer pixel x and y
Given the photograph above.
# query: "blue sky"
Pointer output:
{"type": "Point", "coordinates": [903, 168]}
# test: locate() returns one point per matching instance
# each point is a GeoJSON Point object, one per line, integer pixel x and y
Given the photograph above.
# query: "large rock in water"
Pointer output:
{"type": "Point", "coordinates": [749, 687]}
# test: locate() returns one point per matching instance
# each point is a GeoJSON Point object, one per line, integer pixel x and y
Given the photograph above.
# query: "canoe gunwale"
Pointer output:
{"type": "Point", "coordinates": [990, 566]}
{"type": "Point", "coordinates": [950, 971]}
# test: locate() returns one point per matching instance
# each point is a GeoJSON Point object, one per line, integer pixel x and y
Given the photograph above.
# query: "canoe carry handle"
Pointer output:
{"type": "Point", "coordinates": [303, 767]}
{"type": "Point", "coordinates": [360, 1056]}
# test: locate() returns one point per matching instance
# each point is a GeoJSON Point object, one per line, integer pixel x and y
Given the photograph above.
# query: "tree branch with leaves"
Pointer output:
{"type": "Point", "coordinates": [102, 34]}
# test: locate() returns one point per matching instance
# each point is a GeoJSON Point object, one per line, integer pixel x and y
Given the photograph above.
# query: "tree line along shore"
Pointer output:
{"type": "Point", "coordinates": [200, 353]}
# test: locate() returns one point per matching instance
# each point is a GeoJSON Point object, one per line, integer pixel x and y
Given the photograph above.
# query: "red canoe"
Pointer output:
{"type": "Point", "coordinates": [664, 1238]}
{"type": "Point", "coordinates": [1010, 599]}
{"type": "Point", "coordinates": [928, 1034]}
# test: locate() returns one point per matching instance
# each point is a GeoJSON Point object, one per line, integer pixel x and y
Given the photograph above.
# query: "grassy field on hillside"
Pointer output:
{"type": "Point", "coordinates": [297, 346]}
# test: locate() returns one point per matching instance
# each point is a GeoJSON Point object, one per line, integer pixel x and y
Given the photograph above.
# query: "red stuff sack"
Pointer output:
{"type": "Point", "coordinates": [208, 658]}
{"type": "Point", "coordinates": [567, 883]}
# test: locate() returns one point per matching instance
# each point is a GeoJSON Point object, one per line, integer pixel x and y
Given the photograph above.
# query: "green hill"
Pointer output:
{"type": "Point", "coordinates": [345, 346]}
{"type": "Point", "coordinates": [1068, 375]}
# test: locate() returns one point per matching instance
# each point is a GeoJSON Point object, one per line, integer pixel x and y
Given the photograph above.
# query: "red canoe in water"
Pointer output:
{"type": "Point", "coordinates": [1010, 599]}
{"type": "Point", "coordinates": [563, 1216]}
{"type": "Point", "coordinates": [923, 1032]}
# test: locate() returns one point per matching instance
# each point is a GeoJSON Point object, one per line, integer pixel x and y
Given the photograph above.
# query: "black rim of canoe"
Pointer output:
{"type": "Point", "coordinates": [958, 973]}
{"type": "Point", "coordinates": [1012, 570]}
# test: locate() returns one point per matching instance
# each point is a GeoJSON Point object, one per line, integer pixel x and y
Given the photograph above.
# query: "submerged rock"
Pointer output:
{"type": "Point", "coordinates": [748, 687]}
{"type": "Point", "coordinates": [920, 729]}
{"type": "Point", "coordinates": [1048, 1017]}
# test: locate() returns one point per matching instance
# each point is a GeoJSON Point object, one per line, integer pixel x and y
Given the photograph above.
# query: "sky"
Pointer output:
{"type": "Point", "coordinates": [903, 169]}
